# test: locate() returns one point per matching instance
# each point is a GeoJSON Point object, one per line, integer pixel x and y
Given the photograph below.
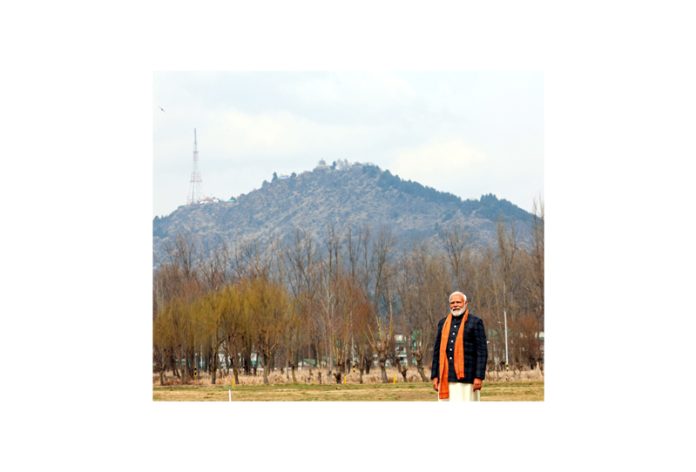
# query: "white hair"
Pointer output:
{"type": "Point", "coordinates": [456, 293]}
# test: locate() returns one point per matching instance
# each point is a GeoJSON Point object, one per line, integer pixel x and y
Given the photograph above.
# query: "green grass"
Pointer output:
{"type": "Point", "coordinates": [413, 391]}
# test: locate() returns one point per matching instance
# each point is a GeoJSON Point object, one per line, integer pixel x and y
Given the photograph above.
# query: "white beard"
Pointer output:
{"type": "Point", "coordinates": [457, 312]}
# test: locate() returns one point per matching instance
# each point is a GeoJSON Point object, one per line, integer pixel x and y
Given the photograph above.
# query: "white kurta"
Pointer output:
{"type": "Point", "coordinates": [462, 392]}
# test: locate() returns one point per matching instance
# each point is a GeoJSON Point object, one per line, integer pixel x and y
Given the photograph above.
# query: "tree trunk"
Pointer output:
{"type": "Point", "coordinates": [421, 372]}
{"type": "Point", "coordinates": [172, 363]}
{"type": "Point", "coordinates": [315, 354]}
{"type": "Point", "coordinates": [191, 364]}
{"type": "Point", "coordinates": [340, 368]}
{"type": "Point", "coordinates": [267, 362]}
{"type": "Point", "coordinates": [232, 362]}
{"type": "Point", "coordinates": [246, 362]}
{"type": "Point", "coordinates": [382, 357]}
{"type": "Point", "coordinates": [419, 364]}
{"type": "Point", "coordinates": [383, 369]}
{"type": "Point", "coordinates": [213, 366]}
{"type": "Point", "coordinates": [404, 372]}
{"type": "Point", "coordinates": [184, 369]}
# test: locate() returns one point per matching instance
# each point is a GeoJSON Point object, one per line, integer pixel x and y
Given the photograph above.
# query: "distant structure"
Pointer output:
{"type": "Point", "coordinates": [195, 191]}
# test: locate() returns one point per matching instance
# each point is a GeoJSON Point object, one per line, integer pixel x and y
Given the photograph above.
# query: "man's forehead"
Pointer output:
{"type": "Point", "coordinates": [456, 296]}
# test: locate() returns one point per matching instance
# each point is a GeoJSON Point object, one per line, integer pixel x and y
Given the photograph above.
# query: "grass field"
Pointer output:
{"type": "Point", "coordinates": [410, 391]}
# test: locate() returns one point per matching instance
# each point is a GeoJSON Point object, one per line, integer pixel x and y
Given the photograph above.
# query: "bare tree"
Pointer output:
{"type": "Point", "coordinates": [214, 270]}
{"type": "Point", "coordinates": [455, 241]}
{"type": "Point", "coordinates": [383, 338]}
{"type": "Point", "coordinates": [250, 261]}
{"type": "Point", "coordinates": [538, 272]}
{"type": "Point", "coordinates": [423, 288]}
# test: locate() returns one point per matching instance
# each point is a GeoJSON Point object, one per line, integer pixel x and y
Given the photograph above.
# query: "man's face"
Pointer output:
{"type": "Point", "coordinates": [457, 304]}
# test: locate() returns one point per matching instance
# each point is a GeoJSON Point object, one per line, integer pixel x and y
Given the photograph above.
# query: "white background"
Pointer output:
{"type": "Point", "coordinates": [76, 234]}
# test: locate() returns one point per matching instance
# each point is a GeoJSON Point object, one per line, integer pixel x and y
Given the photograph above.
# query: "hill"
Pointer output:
{"type": "Point", "coordinates": [342, 195]}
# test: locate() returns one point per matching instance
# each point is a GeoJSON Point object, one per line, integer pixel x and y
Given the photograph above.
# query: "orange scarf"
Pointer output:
{"type": "Point", "coordinates": [458, 354]}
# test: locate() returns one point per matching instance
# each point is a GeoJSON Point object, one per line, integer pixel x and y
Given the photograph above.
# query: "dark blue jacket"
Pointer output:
{"type": "Point", "coordinates": [475, 350]}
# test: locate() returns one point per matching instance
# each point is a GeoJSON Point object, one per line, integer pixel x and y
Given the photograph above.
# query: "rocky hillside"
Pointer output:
{"type": "Point", "coordinates": [345, 195]}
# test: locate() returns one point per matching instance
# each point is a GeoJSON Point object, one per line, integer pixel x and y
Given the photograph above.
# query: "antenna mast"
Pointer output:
{"type": "Point", "coordinates": [195, 192]}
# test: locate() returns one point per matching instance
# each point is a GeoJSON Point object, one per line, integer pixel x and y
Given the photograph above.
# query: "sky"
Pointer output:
{"type": "Point", "coordinates": [464, 132]}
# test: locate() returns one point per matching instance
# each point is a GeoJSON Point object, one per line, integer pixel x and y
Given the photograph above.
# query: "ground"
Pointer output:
{"type": "Point", "coordinates": [515, 390]}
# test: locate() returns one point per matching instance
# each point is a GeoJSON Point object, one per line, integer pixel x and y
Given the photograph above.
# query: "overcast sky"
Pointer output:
{"type": "Point", "coordinates": [467, 133]}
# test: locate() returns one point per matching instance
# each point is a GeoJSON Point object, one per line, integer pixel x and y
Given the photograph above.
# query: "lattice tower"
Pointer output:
{"type": "Point", "coordinates": [195, 191]}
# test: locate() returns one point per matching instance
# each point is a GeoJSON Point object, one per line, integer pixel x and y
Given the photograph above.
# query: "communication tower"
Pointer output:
{"type": "Point", "coordinates": [195, 192]}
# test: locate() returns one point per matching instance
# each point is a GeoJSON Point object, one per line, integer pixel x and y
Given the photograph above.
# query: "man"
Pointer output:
{"type": "Point", "coordinates": [460, 353]}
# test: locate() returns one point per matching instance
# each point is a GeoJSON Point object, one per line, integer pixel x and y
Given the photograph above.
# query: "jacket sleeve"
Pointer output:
{"type": "Point", "coordinates": [435, 371]}
{"type": "Point", "coordinates": [481, 351]}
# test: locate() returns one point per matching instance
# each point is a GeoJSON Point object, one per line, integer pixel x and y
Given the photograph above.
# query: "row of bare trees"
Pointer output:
{"type": "Point", "coordinates": [344, 300]}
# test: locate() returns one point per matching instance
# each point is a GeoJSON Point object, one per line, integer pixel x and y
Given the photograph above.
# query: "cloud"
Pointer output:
{"type": "Point", "coordinates": [446, 164]}
{"type": "Point", "coordinates": [352, 97]}
{"type": "Point", "coordinates": [354, 89]}
{"type": "Point", "coordinates": [281, 133]}
{"type": "Point", "coordinates": [451, 156]}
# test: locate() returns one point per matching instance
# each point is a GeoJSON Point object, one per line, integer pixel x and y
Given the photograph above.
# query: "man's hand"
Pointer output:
{"type": "Point", "coordinates": [478, 383]}
{"type": "Point", "coordinates": [436, 384]}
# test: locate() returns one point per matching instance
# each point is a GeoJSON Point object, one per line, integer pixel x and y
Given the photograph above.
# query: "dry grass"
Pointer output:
{"type": "Point", "coordinates": [514, 386]}
{"type": "Point", "coordinates": [311, 377]}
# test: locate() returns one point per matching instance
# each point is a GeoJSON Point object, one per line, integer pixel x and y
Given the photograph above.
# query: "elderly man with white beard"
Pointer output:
{"type": "Point", "coordinates": [460, 353]}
